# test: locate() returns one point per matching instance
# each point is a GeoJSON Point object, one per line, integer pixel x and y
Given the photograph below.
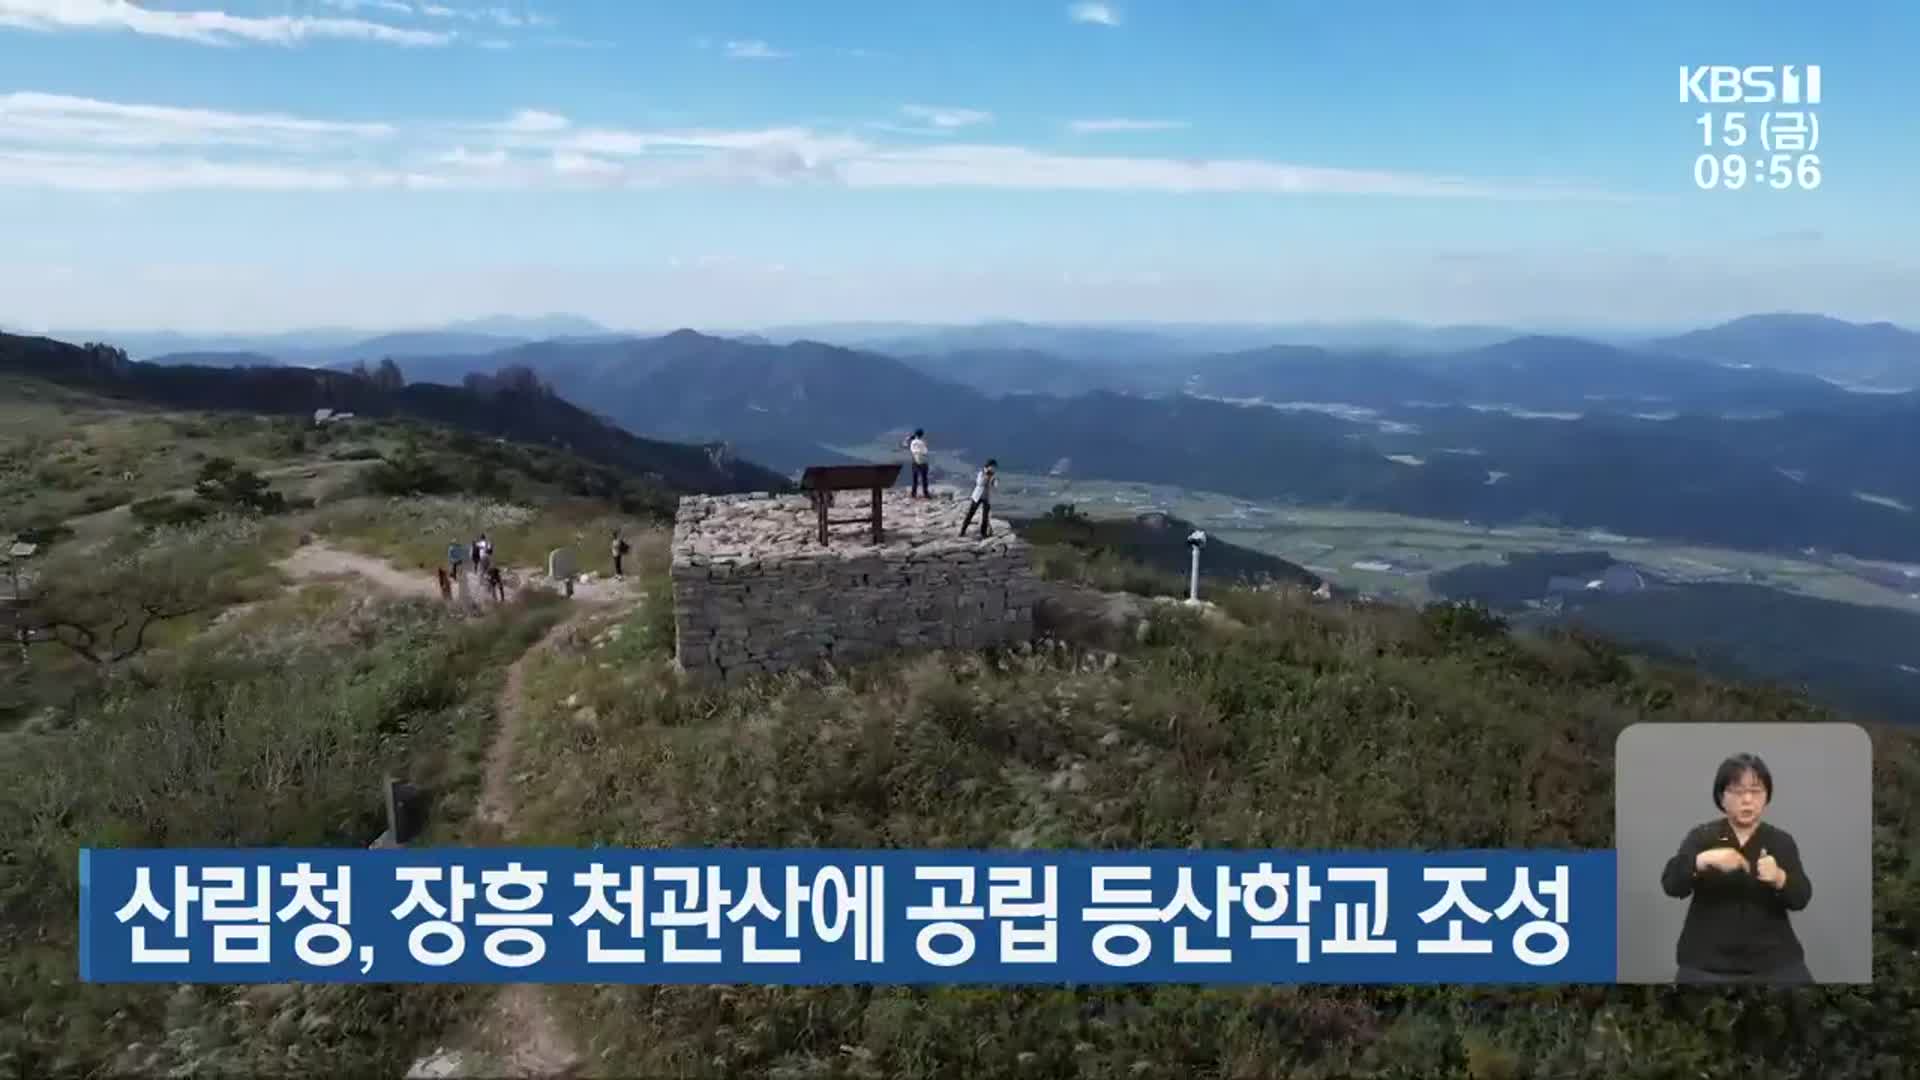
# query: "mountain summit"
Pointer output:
{"type": "Point", "coordinates": [1879, 355]}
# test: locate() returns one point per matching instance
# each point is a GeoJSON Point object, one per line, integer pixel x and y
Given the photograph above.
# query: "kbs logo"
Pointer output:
{"type": "Point", "coordinates": [1724, 84]}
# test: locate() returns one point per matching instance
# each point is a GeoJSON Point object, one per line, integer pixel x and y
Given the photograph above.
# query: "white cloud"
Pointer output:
{"type": "Point", "coordinates": [392, 7]}
{"type": "Point", "coordinates": [103, 173]}
{"type": "Point", "coordinates": [569, 163]}
{"type": "Point", "coordinates": [534, 121]}
{"type": "Point", "coordinates": [1011, 167]}
{"type": "Point", "coordinates": [461, 157]}
{"type": "Point", "coordinates": [946, 118]}
{"type": "Point", "coordinates": [1096, 14]}
{"type": "Point", "coordinates": [1096, 127]}
{"type": "Point", "coordinates": [754, 50]}
{"type": "Point", "coordinates": [55, 119]}
{"type": "Point", "coordinates": [801, 143]}
{"type": "Point", "coordinates": [204, 27]}
{"type": "Point", "coordinates": [498, 16]}
{"type": "Point", "coordinates": [65, 142]}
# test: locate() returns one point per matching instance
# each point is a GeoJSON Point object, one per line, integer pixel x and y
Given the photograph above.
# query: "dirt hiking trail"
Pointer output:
{"type": "Point", "coordinates": [518, 1035]}
{"type": "Point", "coordinates": [318, 560]}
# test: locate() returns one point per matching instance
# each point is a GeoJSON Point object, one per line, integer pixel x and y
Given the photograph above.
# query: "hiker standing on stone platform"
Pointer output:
{"type": "Point", "coordinates": [917, 446]}
{"type": "Point", "coordinates": [983, 484]}
{"type": "Point", "coordinates": [620, 549]}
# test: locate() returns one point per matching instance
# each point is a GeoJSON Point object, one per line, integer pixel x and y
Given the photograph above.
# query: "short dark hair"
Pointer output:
{"type": "Point", "coordinates": [917, 432]}
{"type": "Point", "coordinates": [992, 464]}
{"type": "Point", "coordinates": [1733, 769]}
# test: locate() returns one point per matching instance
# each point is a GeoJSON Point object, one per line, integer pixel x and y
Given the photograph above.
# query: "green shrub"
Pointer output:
{"type": "Point", "coordinates": [1459, 622]}
{"type": "Point", "coordinates": [410, 474]}
{"type": "Point", "coordinates": [166, 510]}
{"type": "Point", "coordinates": [105, 500]}
{"type": "Point", "coordinates": [226, 485]}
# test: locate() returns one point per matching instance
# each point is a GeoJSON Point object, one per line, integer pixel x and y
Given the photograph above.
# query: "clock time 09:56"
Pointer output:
{"type": "Point", "coordinates": [1776, 171]}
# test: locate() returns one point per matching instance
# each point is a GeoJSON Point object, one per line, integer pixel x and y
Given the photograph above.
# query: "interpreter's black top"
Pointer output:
{"type": "Point", "coordinates": [1737, 924]}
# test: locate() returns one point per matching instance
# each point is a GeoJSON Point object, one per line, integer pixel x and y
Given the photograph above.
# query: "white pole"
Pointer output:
{"type": "Point", "coordinates": [1193, 582]}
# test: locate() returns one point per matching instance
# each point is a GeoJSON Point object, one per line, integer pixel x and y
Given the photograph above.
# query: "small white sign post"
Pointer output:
{"type": "Point", "coordinates": [561, 568]}
{"type": "Point", "coordinates": [1195, 541]}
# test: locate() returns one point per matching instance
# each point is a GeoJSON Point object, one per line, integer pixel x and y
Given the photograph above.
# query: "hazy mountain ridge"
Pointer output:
{"type": "Point", "coordinates": [322, 346]}
{"type": "Point", "coordinates": [1879, 355]}
{"type": "Point", "coordinates": [1825, 468]}
{"type": "Point", "coordinates": [506, 407]}
{"type": "Point", "coordinates": [1789, 481]}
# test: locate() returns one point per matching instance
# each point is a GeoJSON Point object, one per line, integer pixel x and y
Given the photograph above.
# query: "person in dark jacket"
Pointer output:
{"type": "Point", "coordinates": [619, 548]}
{"type": "Point", "coordinates": [1743, 876]}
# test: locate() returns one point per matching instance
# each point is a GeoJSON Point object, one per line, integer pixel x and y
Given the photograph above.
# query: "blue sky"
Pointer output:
{"type": "Point", "coordinates": [225, 164]}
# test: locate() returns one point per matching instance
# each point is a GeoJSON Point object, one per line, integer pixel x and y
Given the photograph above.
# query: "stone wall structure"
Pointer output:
{"type": "Point", "coordinates": [755, 592]}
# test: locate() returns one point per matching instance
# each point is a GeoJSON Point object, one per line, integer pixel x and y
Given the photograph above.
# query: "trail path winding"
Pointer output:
{"type": "Point", "coordinates": [318, 560]}
{"type": "Point", "coordinates": [518, 1035]}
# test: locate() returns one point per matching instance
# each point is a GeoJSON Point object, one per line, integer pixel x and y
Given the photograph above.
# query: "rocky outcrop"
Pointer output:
{"type": "Point", "coordinates": [755, 592]}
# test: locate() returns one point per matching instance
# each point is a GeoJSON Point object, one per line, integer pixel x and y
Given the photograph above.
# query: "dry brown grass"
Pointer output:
{"type": "Point", "coordinates": [1314, 726]}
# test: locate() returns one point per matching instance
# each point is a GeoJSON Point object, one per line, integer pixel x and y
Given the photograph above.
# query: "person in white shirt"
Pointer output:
{"type": "Point", "coordinates": [983, 482]}
{"type": "Point", "coordinates": [917, 446]}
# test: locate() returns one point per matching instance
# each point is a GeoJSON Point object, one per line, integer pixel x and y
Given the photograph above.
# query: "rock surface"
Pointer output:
{"type": "Point", "coordinates": [755, 592]}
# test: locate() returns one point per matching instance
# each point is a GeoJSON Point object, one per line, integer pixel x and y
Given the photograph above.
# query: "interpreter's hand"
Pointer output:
{"type": "Point", "coordinates": [1769, 871]}
{"type": "Point", "coordinates": [1725, 859]}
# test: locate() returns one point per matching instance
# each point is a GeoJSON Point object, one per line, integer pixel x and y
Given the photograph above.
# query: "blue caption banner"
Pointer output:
{"type": "Point", "coordinates": [811, 917]}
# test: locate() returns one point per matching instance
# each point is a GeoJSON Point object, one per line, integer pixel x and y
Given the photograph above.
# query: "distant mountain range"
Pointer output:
{"type": "Point", "coordinates": [1658, 446]}
{"type": "Point", "coordinates": [516, 409]}
{"type": "Point", "coordinates": [1119, 344]}
{"type": "Point", "coordinates": [1020, 357]}
{"type": "Point", "coordinates": [1676, 438]}
{"type": "Point", "coordinates": [329, 346]}
{"type": "Point", "coordinates": [1874, 355]}
{"type": "Point", "coordinates": [1532, 373]}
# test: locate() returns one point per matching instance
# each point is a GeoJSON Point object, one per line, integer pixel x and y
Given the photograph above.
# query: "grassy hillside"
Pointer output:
{"type": "Point", "coordinates": [268, 715]}
{"type": "Point", "coordinates": [254, 708]}
{"type": "Point", "coordinates": [98, 481]}
{"type": "Point", "coordinates": [1309, 725]}
{"type": "Point", "coordinates": [67, 453]}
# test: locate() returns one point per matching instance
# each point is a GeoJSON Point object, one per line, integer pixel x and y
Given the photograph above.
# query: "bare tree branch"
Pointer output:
{"type": "Point", "coordinates": [82, 648]}
{"type": "Point", "coordinates": [153, 615]}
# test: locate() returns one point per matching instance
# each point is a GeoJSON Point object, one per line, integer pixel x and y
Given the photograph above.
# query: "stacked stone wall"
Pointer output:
{"type": "Point", "coordinates": [754, 591]}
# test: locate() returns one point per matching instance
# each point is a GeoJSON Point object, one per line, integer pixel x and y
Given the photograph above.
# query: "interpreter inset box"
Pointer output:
{"type": "Point", "coordinates": [1745, 853]}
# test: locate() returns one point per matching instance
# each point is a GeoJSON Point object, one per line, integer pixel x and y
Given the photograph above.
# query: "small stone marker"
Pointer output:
{"type": "Point", "coordinates": [561, 567]}
{"type": "Point", "coordinates": [406, 814]}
